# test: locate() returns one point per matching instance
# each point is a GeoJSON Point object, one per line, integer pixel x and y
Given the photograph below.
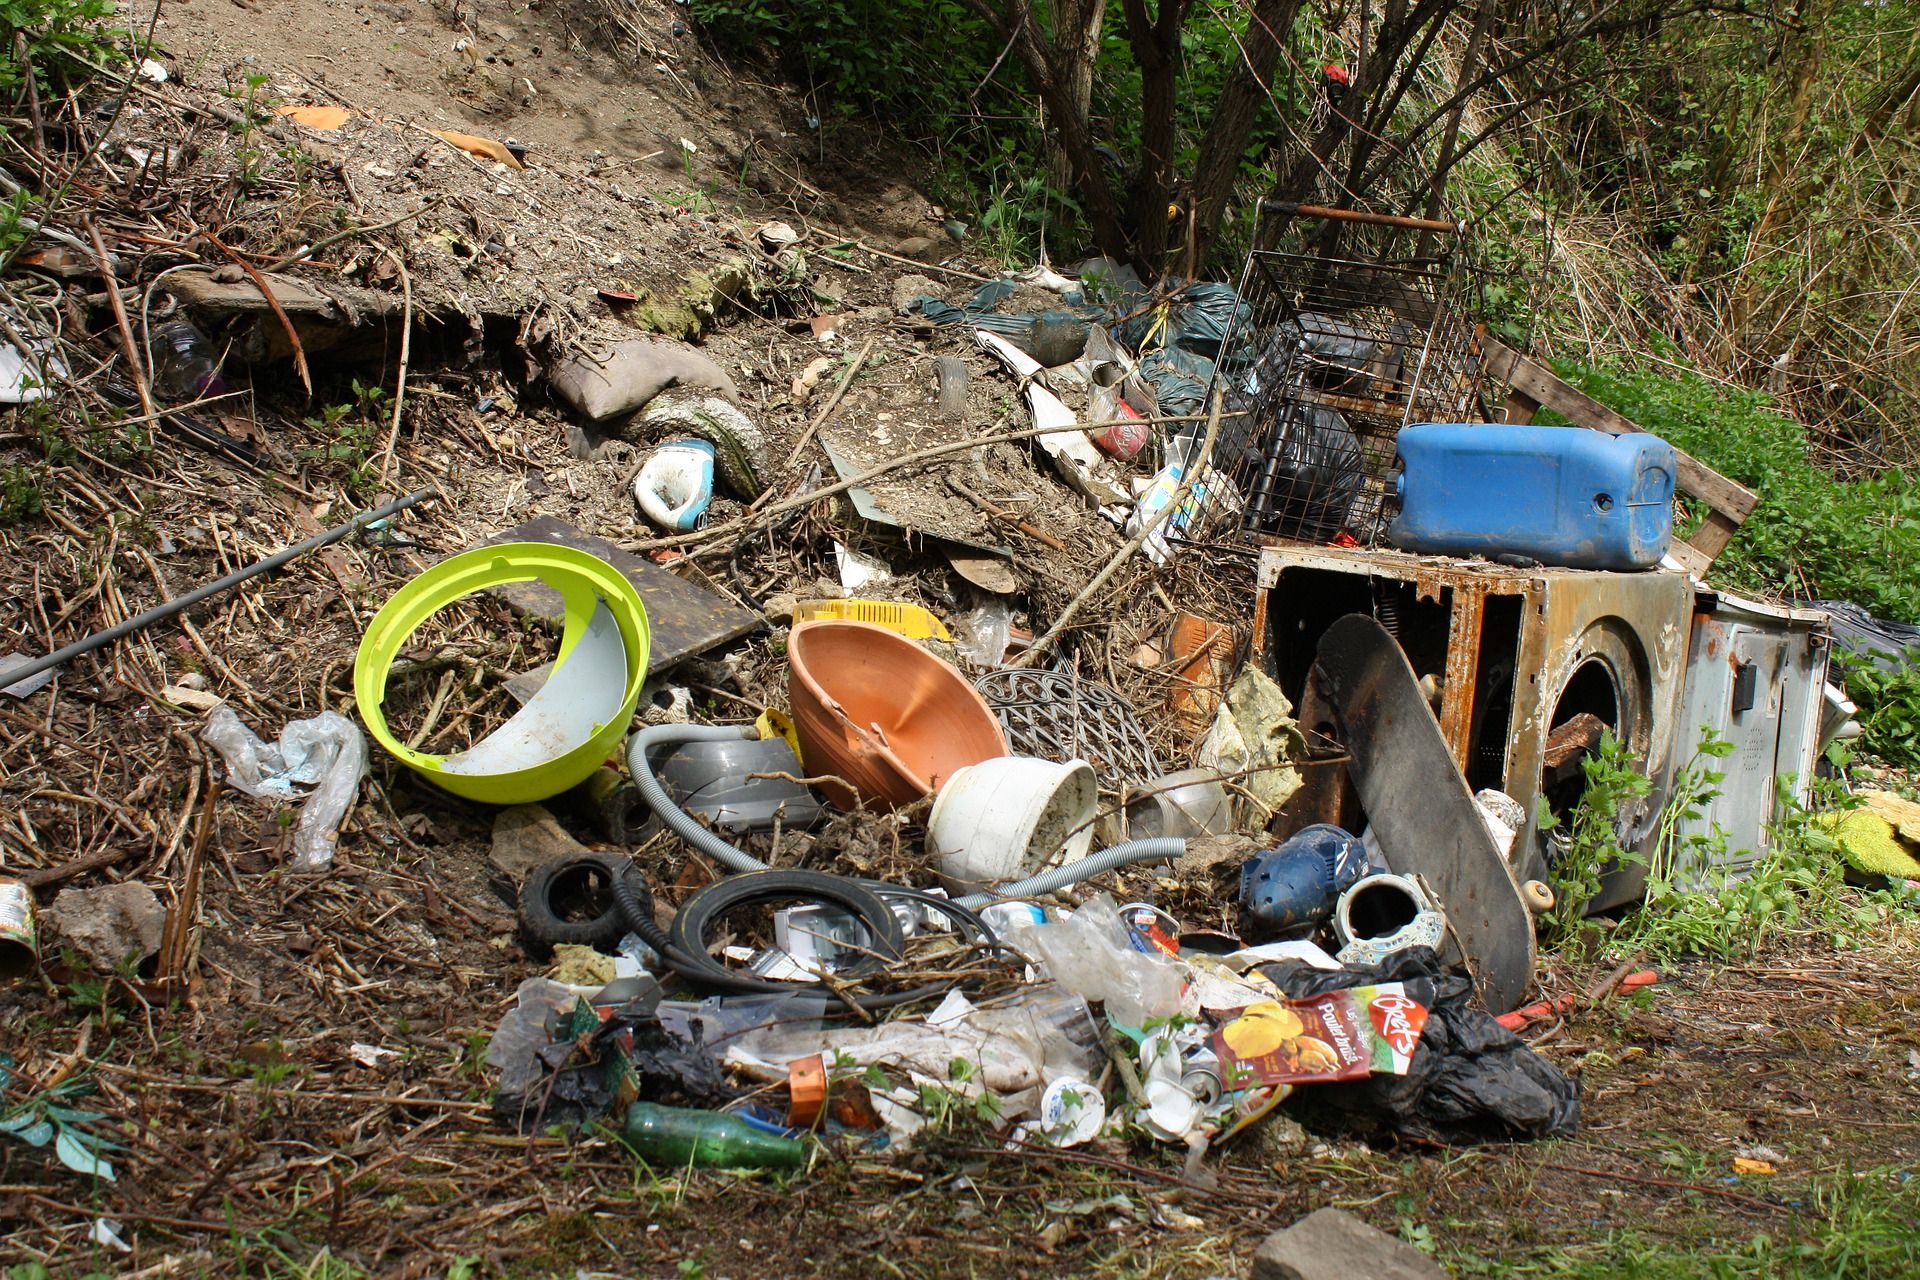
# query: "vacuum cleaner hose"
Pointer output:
{"type": "Point", "coordinates": [1163, 849]}
{"type": "Point", "coordinates": [676, 818]}
{"type": "Point", "coordinates": [1160, 849]}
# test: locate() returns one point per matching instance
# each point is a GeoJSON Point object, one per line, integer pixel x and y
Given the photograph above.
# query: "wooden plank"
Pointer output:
{"type": "Point", "coordinates": [1691, 558]}
{"type": "Point", "coordinates": [682, 617]}
{"type": "Point", "coordinates": [1543, 386]}
{"type": "Point", "coordinates": [198, 289]}
{"type": "Point", "coordinates": [1713, 536]}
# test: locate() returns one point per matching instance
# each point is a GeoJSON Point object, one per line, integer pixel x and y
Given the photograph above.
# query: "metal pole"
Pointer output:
{"type": "Point", "coordinates": [17, 675]}
{"type": "Point", "coordinates": [1287, 209]}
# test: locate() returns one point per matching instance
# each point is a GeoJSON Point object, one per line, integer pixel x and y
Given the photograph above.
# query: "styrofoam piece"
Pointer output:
{"type": "Point", "coordinates": [20, 377]}
{"type": "Point", "coordinates": [1081, 464]}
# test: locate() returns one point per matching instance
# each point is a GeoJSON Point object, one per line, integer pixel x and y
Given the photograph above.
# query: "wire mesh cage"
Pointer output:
{"type": "Point", "coordinates": [1351, 327]}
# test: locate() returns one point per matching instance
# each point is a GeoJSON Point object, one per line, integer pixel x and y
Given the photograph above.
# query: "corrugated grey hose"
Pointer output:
{"type": "Point", "coordinates": [1161, 849]}
{"type": "Point", "coordinates": [661, 803]}
{"type": "Point", "coordinates": [1164, 849]}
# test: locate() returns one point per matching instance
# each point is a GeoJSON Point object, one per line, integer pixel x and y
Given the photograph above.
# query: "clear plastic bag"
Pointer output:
{"type": "Point", "coordinates": [1089, 954]}
{"type": "Point", "coordinates": [526, 1030]}
{"type": "Point", "coordinates": [980, 634]}
{"type": "Point", "coordinates": [327, 753]}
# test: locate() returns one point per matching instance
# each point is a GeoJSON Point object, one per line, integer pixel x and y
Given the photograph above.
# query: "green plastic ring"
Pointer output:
{"type": "Point", "coordinates": [585, 582]}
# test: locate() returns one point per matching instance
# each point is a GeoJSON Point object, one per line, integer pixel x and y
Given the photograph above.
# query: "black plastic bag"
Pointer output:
{"type": "Point", "coordinates": [1304, 474]}
{"type": "Point", "coordinates": [1339, 355]}
{"type": "Point", "coordinates": [1890, 646]}
{"type": "Point", "coordinates": [665, 1066]}
{"type": "Point", "coordinates": [1471, 1080]}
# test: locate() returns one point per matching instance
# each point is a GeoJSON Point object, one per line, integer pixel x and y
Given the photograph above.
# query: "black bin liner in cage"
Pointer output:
{"type": "Point", "coordinates": [1303, 473]}
{"type": "Point", "coordinates": [1349, 333]}
{"type": "Point", "coordinates": [1338, 356]}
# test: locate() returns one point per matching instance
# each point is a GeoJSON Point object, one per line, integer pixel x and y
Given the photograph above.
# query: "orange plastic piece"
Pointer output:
{"type": "Point", "coordinates": [325, 119]}
{"type": "Point", "coordinates": [486, 148]}
{"type": "Point", "coordinates": [883, 715]}
{"type": "Point", "coordinates": [1205, 651]}
{"type": "Point", "coordinates": [807, 1091]}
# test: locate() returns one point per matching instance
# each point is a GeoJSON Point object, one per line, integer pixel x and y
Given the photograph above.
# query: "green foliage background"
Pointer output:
{"type": "Point", "coordinates": [1813, 536]}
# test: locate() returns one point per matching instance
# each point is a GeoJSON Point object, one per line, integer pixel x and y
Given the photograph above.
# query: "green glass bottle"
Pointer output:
{"type": "Point", "coordinates": [671, 1137]}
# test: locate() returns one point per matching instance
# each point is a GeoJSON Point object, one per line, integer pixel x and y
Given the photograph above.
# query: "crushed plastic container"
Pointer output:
{"type": "Point", "coordinates": [1569, 496]}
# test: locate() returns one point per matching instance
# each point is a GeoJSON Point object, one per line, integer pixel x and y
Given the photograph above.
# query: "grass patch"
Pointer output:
{"type": "Point", "coordinates": [1841, 1224]}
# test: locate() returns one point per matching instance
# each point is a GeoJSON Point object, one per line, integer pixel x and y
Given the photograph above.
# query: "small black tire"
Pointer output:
{"type": "Point", "coordinates": [547, 915]}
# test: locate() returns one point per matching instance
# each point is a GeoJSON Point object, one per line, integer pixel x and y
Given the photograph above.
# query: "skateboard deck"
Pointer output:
{"type": "Point", "coordinates": [1422, 813]}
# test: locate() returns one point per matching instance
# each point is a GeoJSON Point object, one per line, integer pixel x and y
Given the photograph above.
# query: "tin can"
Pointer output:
{"type": "Point", "coordinates": [19, 936]}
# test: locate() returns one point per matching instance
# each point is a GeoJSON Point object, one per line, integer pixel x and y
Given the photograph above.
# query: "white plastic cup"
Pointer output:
{"type": "Point", "coordinates": [1071, 1112]}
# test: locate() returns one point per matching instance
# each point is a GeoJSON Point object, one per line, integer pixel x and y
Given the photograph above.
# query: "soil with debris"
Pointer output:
{"type": "Point", "coordinates": [300, 1071]}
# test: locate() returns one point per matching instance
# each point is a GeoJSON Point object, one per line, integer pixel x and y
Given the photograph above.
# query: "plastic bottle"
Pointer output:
{"type": "Point", "coordinates": [676, 484]}
{"type": "Point", "coordinates": [1159, 495]}
{"type": "Point", "coordinates": [186, 363]}
{"type": "Point", "coordinates": [678, 1137]}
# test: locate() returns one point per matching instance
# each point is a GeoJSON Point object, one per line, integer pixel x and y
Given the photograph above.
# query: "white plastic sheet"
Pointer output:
{"type": "Point", "coordinates": [327, 753]}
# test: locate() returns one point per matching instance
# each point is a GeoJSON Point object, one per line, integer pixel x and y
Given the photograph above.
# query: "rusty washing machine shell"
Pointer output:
{"type": "Point", "coordinates": [1527, 667]}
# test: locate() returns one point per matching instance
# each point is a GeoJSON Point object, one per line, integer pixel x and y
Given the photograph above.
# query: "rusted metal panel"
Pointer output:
{"type": "Point", "coordinates": [1463, 666]}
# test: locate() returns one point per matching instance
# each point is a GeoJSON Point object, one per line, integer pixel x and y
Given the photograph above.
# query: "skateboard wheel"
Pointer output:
{"type": "Point", "coordinates": [1538, 896]}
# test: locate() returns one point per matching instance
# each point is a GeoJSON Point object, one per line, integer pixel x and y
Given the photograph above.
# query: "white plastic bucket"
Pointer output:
{"type": "Point", "coordinates": [1005, 819]}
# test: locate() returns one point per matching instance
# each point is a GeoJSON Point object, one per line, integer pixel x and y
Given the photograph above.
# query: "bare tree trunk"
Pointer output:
{"type": "Point", "coordinates": [1246, 93]}
{"type": "Point", "coordinates": [1379, 82]}
{"type": "Point", "coordinates": [1076, 47]}
{"type": "Point", "coordinates": [1811, 18]}
{"type": "Point", "coordinates": [1156, 51]}
{"type": "Point", "coordinates": [1014, 21]}
{"type": "Point", "coordinates": [1450, 137]}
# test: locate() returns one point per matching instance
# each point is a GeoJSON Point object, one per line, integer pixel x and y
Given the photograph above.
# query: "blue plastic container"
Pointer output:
{"type": "Point", "coordinates": [1298, 882]}
{"type": "Point", "coordinates": [1568, 496]}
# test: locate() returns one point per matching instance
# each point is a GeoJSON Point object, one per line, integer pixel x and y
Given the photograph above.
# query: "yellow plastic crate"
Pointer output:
{"type": "Point", "coordinates": [910, 620]}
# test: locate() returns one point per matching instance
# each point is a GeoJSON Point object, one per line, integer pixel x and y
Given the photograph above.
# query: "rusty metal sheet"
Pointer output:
{"type": "Point", "coordinates": [1462, 671]}
{"type": "Point", "coordinates": [684, 618]}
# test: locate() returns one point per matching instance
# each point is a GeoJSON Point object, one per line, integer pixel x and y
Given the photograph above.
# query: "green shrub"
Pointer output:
{"type": "Point", "coordinates": [66, 39]}
{"type": "Point", "coordinates": [1812, 535]}
{"type": "Point", "coordinates": [1889, 715]}
{"type": "Point", "coordinates": [1592, 845]}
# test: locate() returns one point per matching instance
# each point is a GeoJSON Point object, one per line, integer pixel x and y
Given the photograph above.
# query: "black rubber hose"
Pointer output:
{"type": "Point", "coordinates": [885, 940]}
{"type": "Point", "coordinates": [635, 901]}
{"type": "Point", "coordinates": [685, 952]}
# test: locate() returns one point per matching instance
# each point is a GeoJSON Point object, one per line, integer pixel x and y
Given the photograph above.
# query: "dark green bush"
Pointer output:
{"type": "Point", "coordinates": [1812, 536]}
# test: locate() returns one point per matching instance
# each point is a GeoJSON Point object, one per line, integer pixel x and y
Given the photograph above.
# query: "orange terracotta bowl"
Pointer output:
{"type": "Point", "coordinates": [877, 710]}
